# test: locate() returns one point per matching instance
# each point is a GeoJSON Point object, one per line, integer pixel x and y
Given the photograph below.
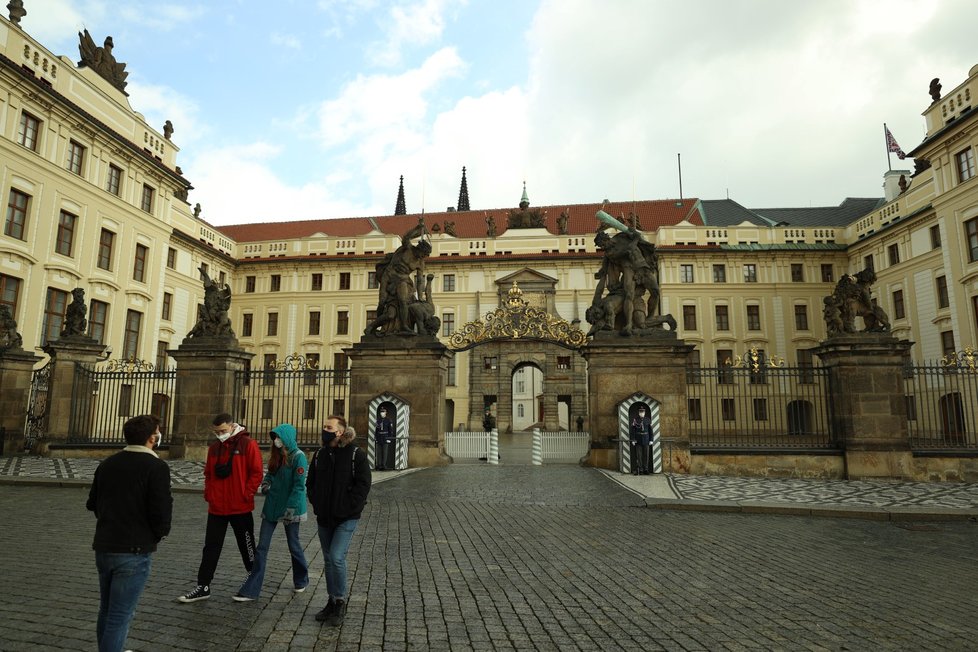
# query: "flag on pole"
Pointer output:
{"type": "Point", "coordinates": [892, 145]}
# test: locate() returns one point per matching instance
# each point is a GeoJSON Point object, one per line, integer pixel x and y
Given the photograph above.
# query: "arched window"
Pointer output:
{"type": "Point", "coordinates": [520, 412]}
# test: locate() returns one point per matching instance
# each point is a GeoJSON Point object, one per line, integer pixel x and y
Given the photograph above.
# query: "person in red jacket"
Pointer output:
{"type": "Point", "coordinates": [232, 474]}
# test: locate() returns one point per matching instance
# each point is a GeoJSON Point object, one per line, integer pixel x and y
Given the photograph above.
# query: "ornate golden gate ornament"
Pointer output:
{"type": "Point", "coordinates": [516, 319]}
{"type": "Point", "coordinates": [753, 359]}
{"type": "Point", "coordinates": [966, 360]}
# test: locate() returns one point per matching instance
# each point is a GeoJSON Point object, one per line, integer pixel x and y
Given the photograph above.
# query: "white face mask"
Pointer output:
{"type": "Point", "coordinates": [277, 442]}
{"type": "Point", "coordinates": [223, 437]}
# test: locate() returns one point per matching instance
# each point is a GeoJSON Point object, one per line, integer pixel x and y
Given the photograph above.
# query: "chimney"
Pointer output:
{"type": "Point", "coordinates": [891, 183]}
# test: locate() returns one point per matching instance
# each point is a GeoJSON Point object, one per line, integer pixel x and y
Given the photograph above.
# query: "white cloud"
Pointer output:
{"type": "Point", "coordinates": [407, 25]}
{"type": "Point", "coordinates": [286, 40]}
{"type": "Point", "coordinates": [161, 103]}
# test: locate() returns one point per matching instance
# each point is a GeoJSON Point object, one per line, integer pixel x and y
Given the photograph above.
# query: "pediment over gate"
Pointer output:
{"type": "Point", "coordinates": [529, 281]}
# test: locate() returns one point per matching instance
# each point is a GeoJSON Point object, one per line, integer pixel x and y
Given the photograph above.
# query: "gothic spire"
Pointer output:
{"type": "Point", "coordinates": [463, 194]}
{"type": "Point", "coordinates": [401, 208]}
{"type": "Point", "coordinates": [524, 200]}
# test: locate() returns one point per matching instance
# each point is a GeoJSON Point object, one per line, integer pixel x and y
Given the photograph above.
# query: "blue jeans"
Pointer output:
{"type": "Point", "coordinates": [300, 569]}
{"type": "Point", "coordinates": [336, 542]}
{"type": "Point", "coordinates": [121, 578]}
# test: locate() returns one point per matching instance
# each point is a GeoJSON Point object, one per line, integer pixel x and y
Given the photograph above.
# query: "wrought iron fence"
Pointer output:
{"type": "Point", "coordinates": [759, 404]}
{"type": "Point", "coordinates": [291, 391]}
{"type": "Point", "coordinates": [107, 395]}
{"type": "Point", "coordinates": [942, 403]}
{"type": "Point", "coordinates": [37, 405]}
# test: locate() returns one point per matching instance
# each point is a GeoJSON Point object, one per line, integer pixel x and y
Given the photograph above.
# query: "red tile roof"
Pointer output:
{"type": "Point", "coordinates": [652, 214]}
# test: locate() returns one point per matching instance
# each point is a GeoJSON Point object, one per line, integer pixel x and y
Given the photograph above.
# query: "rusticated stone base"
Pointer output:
{"type": "Point", "coordinates": [945, 469]}
{"type": "Point", "coordinates": [826, 467]}
{"type": "Point", "coordinates": [869, 464]}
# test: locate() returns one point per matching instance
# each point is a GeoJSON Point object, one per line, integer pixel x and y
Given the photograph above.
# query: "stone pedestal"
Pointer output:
{"type": "Point", "coordinates": [205, 387]}
{"type": "Point", "coordinates": [16, 372]}
{"type": "Point", "coordinates": [64, 398]}
{"type": "Point", "coordinates": [869, 411]}
{"type": "Point", "coordinates": [416, 370]}
{"type": "Point", "coordinates": [618, 367]}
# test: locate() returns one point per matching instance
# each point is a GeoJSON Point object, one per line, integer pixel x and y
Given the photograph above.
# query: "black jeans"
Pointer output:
{"type": "Point", "coordinates": [243, 526]}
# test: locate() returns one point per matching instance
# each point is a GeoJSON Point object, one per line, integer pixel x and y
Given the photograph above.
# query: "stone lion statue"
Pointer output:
{"type": "Point", "coordinates": [850, 299]}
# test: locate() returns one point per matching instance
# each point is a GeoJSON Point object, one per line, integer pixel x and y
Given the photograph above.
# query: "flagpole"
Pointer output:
{"type": "Point", "coordinates": [886, 143]}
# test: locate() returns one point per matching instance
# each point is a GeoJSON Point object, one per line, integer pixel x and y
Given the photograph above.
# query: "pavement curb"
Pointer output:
{"type": "Point", "coordinates": [896, 514]}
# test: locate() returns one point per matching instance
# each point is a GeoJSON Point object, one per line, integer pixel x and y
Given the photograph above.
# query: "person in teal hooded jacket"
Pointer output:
{"type": "Point", "coordinates": [284, 488]}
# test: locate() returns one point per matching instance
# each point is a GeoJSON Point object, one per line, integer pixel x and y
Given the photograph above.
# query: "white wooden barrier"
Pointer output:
{"type": "Point", "coordinates": [560, 446]}
{"type": "Point", "coordinates": [467, 445]}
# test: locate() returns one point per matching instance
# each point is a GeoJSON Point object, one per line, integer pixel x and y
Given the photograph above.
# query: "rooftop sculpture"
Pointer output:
{"type": "Point", "coordinates": [213, 320]}
{"type": "Point", "coordinates": [850, 299]}
{"type": "Point", "coordinates": [101, 60]}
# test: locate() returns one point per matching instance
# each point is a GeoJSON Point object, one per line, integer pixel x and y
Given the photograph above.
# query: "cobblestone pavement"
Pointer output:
{"type": "Point", "coordinates": [516, 558]}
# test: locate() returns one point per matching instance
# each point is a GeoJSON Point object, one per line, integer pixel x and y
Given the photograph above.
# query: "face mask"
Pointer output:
{"type": "Point", "coordinates": [277, 442]}
{"type": "Point", "coordinates": [223, 437]}
{"type": "Point", "coordinates": [328, 436]}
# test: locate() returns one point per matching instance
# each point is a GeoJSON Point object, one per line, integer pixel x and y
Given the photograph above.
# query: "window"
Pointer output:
{"type": "Point", "coordinates": [139, 263]}
{"type": "Point", "coordinates": [114, 181]}
{"type": "Point", "coordinates": [267, 406]}
{"type": "Point", "coordinates": [719, 273]}
{"type": "Point", "coordinates": [801, 318]}
{"type": "Point", "coordinates": [452, 381]}
{"type": "Point", "coordinates": [868, 263]}
{"type": "Point", "coordinates": [520, 411]}
{"type": "Point", "coordinates": [693, 367]}
{"type": "Point", "coordinates": [971, 230]}
{"type": "Point", "coordinates": [966, 164]}
{"type": "Point", "coordinates": [314, 319]}
{"type": "Point", "coordinates": [272, 329]}
{"type": "Point", "coordinates": [935, 237]}
{"type": "Point", "coordinates": [249, 284]}
{"type": "Point", "coordinates": [204, 269]}
{"type": "Point", "coordinates": [317, 282]}
{"type": "Point", "coordinates": [695, 409]}
{"type": "Point", "coordinates": [98, 317]}
{"type": "Point", "coordinates": [448, 283]}
{"type": "Point", "coordinates": [760, 409]}
{"type": "Point", "coordinates": [268, 372]}
{"type": "Point", "coordinates": [130, 342]}
{"type": "Point", "coordinates": [171, 258]}
{"type": "Point", "coordinates": [899, 310]}
{"type": "Point", "coordinates": [76, 157]}
{"type": "Point", "coordinates": [447, 323]}
{"type": "Point", "coordinates": [805, 364]}
{"type": "Point", "coordinates": [66, 233]}
{"type": "Point", "coordinates": [490, 363]}
{"type": "Point", "coordinates": [54, 315]}
{"type": "Point", "coordinates": [167, 306]}
{"type": "Point", "coordinates": [974, 307]}
{"type": "Point", "coordinates": [797, 273]}
{"type": "Point", "coordinates": [124, 408]}
{"type": "Point", "coordinates": [911, 404]}
{"type": "Point", "coordinates": [943, 301]}
{"type": "Point", "coordinates": [722, 318]}
{"type": "Point", "coordinates": [339, 406]}
{"type": "Point", "coordinates": [340, 363]}
{"type": "Point", "coordinates": [309, 409]}
{"type": "Point", "coordinates": [724, 370]}
{"type": "Point", "coordinates": [828, 276]}
{"type": "Point", "coordinates": [28, 130]}
{"type": "Point", "coordinates": [16, 222]}
{"type": "Point", "coordinates": [342, 322]}
{"type": "Point", "coordinates": [753, 318]}
{"type": "Point", "coordinates": [276, 283]}
{"type": "Point", "coordinates": [371, 316]}
{"type": "Point", "coordinates": [685, 273]}
{"type": "Point", "coordinates": [563, 362]}
{"type": "Point", "coordinates": [311, 376]}
{"type": "Point", "coordinates": [750, 273]}
{"type": "Point", "coordinates": [247, 324]}
{"type": "Point", "coordinates": [372, 281]}
{"type": "Point", "coordinates": [105, 241]}
{"type": "Point", "coordinates": [728, 409]}
{"type": "Point", "coordinates": [893, 251]}
{"type": "Point", "coordinates": [689, 318]}
{"type": "Point", "coordinates": [161, 348]}
{"type": "Point", "coordinates": [344, 280]}
{"type": "Point", "coordinates": [221, 278]}
{"type": "Point", "coordinates": [146, 203]}
{"type": "Point", "coordinates": [947, 343]}
{"type": "Point", "coordinates": [9, 292]}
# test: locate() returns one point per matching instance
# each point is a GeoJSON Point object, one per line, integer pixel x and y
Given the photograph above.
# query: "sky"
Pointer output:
{"type": "Point", "coordinates": [313, 109]}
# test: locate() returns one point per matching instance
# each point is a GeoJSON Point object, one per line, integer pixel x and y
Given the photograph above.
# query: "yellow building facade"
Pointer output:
{"type": "Point", "coordinates": [95, 199]}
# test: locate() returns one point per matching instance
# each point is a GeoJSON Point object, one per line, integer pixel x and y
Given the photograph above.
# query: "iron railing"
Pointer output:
{"type": "Point", "coordinates": [942, 405]}
{"type": "Point", "coordinates": [303, 397]}
{"type": "Point", "coordinates": [106, 396]}
{"type": "Point", "coordinates": [759, 406]}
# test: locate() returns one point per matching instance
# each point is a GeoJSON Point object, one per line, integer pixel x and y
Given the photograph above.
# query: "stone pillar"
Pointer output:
{"type": "Point", "coordinates": [413, 368]}
{"type": "Point", "coordinates": [869, 411]}
{"type": "Point", "coordinates": [206, 386]}
{"type": "Point", "coordinates": [64, 397]}
{"type": "Point", "coordinates": [620, 366]}
{"type": "Point", "coordinates": [16, 373]}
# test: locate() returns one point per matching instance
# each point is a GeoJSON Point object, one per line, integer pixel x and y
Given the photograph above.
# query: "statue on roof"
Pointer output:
{"type": "Point", "coordinates": [213, 320]}
{"type": "Point", "coordinates": [935, 89]}
{"type": "Point", "coordinates": [629, 271]}
{"type": "Point", "coordinates": [491, 226]}
{"type": "Point", "coordinates": [526, 217]}
{"type": "Point", "coordinates": [404, 305]}
{"type": "Point", "coordinates": [102, 61]}
{"type": "Point", "coordinates": [450, 228]}
{"type": "Point", "coordinates": [562, 222]}
{"type": "Point", "coordinates": [167, 129]}
{"type": "Point", "coordinates": [17, 12]}
{"type": "Point", "coordinates": [850, 299]}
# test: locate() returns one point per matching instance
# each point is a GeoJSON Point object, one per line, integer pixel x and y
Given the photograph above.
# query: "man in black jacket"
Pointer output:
{"type": "Point", "coordinates": [130, 496]}
{"type": "Point", "coordinates": [338, 484]}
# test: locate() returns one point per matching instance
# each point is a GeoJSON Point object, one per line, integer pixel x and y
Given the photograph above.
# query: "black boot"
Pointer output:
{"type": "Point", "coordinates": [335, 619]}
{"type": "Point", "coordinates": [327, 611]}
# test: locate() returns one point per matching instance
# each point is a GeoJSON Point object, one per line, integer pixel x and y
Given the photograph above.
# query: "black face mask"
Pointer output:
{"type": "Point", "coordinates": [328, 436]}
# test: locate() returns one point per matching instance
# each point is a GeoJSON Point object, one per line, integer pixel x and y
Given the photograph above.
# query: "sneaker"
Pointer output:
{"type": "Point", "coordinates": [237, 597]}
{"type": "Point", "coordinates": [299, 589]}
{"type": "Point", "coordinates": [200, 592]}
{"type": "Point", "coordinates": [335, 619]}
{"type": "Point", "coordinates": [326, 612]}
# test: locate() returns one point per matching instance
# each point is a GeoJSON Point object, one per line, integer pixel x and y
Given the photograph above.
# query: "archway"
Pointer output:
{"type": "Point", "coordinates": [526, 386]}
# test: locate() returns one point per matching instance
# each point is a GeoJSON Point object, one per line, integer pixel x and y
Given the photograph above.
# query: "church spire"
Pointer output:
{"type": "Point", "coordinates": [401, 208]}
{"type": "Point", "coordinates": [524, 200]}
{"type": "Point", "coordinates": [463, 194]}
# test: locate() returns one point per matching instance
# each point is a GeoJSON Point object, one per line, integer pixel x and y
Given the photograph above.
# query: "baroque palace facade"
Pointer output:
{"type": "Point", "coordinates": [96, 200]}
